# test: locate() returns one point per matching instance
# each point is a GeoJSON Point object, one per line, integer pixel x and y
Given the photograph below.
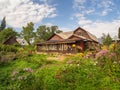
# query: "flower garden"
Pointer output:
{"type": "Point", "coordinates": [21, 69]}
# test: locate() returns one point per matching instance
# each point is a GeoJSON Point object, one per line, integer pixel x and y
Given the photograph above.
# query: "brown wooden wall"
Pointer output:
{"type": "Point", "coordinates": [82, 33]}
{"type": "Point", "coordinates": [74, 38]}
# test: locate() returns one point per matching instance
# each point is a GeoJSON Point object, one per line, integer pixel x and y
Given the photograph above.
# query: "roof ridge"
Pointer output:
{"type": "Point", "coordinates": [66, 32]}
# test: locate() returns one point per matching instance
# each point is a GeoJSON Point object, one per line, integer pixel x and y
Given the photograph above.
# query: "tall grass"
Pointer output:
{"type": "Point", "coordinates": [34, 72]}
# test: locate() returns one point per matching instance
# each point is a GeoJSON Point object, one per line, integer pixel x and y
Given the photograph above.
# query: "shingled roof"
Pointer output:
{"type": "Point", "coordinates": [66, 35]}
{"type": "Point", "coordinates": [10, 40]}
{"type": "Point", "coordinates": [93, 37]}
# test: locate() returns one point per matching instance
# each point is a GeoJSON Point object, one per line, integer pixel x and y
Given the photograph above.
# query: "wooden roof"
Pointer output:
{"type": "Point", "coordinates": [67, 35]}
{"type": "Point", "coordinates": [92, 37]}
{"type": "Point", "coordinates": [10, 40]}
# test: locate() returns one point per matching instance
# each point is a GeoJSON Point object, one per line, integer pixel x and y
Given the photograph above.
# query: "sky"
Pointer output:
{"type": "Point", "coordinates": [95, 16]}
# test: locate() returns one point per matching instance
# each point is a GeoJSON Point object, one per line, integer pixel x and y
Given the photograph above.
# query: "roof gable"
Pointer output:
{"type": "Point", "coordinates": [87, 34]}
{"type": "Point", "coordinates": [78, 33]}
{"type": "Point", "coordinates": [76, 37]}
{"type": "Point", "coordinates": [65, 35]}
{"type": "Point", "coordinates": [55, 37]}
{"type": "Point", "coordinates": [93, 37]}
{"type": "Point", "coordinates": [10, 40]}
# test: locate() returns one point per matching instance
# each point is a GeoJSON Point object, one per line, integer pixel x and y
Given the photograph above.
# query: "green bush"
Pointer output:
{"type": "Point", "coordinates": [75, 73]}
{"type": "Point", "coordinates": [8, 48]}
{"type": "Point", "coordinates": [77, 76]}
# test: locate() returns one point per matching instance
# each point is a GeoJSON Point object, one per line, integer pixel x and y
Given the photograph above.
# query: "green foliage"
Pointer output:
{"type": "Point", "coordinates": [7, 53]}
{"type": "Point", "coordinates": [8, 48]}
{"type": "Point", "coordinates": [44, 32]}
{"type": "Point", "coordinates": [7, 33]}
{"type": "Point", "coordinates": [28, 33]}
{"type": "Point", "coordinates": [29, 48]}
{"type": "Point", "coordinates": [75, 73]}
{"type": "Point", "coordinates": [3, 24]}
{"type": "Point", "coordinates": [117, 51]}
{"type": "Point", "coordinates": [106, 39]}
{"type": "Point", "coordinates": [18, 74]}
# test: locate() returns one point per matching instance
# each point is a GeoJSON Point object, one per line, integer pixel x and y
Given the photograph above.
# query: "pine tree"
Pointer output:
{"type": "Point", "coordinates": [3, 24]}
{"type": "Point", "coordinates": [106, 39]}
{"type": "Point", "coordinates": [119, 33]}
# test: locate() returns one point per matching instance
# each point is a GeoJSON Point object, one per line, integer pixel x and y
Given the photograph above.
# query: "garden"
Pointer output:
{"type": "Point", "coordinates": [23, 69]}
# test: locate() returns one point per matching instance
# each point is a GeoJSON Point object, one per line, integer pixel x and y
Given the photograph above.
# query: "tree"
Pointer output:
{"type": "Point", "coordinates": [43, 32]}
{"type": "Point", "coordinates": [28, 33]}
{"type": "Point", "coordinates": [119, 33]}
{"type": "Point", "coordinates": [106, 39]}
{"type": "Point", "coordinates": [3, 24]}
{"type": "Point", "coordinates": [6, 33]}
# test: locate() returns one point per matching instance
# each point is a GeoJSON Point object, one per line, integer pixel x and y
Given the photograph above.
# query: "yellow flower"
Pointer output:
{"type": "Point", "coordinates": [111, 47]}
{"type": "Point", "coordinates": [73, 45]}
{"type": "Point", "coordinates": [80, 54]}
{"type": "Point", "coordinates": [104, 47]}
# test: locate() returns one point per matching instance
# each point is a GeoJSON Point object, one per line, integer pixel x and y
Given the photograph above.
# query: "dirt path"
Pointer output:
{"type": "Point", "coordinates": [57, 58]}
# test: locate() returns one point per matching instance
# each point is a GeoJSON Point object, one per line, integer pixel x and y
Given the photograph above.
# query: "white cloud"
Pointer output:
{"type": "Point", "coordinates": [64, 29]}
{"type": "Point", "coordinates": [106, 6]}
{"type": "Point", "coordinates": [80, 1]}
{"type": "Point", "coordinates": [81, 19]}
{"type": "Point", "coordinates": [84, 22]}
{"type": "Point", "coordinates": [19, 12]}
{"type": "Point", "coordinates": [90, 11]}
{"type": "Point", "coordinates": [79, 15]}
{"type": "Point", "coordinates": [97, 28]}
{"type": "Point", "coordinates": [99, 8]}
{"type": "Point", "coordinates": [49, 24]}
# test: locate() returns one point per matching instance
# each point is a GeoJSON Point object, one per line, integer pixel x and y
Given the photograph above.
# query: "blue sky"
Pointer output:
{"type": "Point", "coordinates": [96, 16]}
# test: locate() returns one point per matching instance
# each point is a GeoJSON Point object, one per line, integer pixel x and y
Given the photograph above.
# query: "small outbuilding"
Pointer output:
{"type": "Point", "coordinates": [10, 41]}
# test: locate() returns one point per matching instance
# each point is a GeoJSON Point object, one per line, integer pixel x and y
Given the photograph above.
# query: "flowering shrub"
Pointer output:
{"type": "Point", "coordinates": [28, 70]}
{"type": "Point", "coordinates": [80, 54]}
{"type": "Point", "coordinates": [112, 47]}
{"type": "Point", "coordinates": [23, 78]}
{"type": "Point", "coordinates": [109, 63]}
{"type": "Point", "coordinates": [104, 47]}
{"type": "Point", "coordinates": [75, 73]}
{"type": "Point", "coordinates": [102, 53]}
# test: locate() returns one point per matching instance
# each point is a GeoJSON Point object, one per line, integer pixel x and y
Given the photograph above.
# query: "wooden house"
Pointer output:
{"type": "Point", "coordinates": [10, 41]}
{"type": "Point", "coordinates": [13, 40]}
{"type": "Point", "coordinates": [69, 42]}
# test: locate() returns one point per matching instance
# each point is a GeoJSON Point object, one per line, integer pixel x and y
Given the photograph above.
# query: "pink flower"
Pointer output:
{"type": "Point", "coordinates": [112, 55]}
{"type": "Point", "coordinates": [13, 78]}
{"type": "Point", "coordinates": [14, 73]}
{"type": "Point", "coordinates": [102, 53]}
{"type": "Point", "coordinates": [28, 70]}
{"type": "Point", "coordinates": [20, 78]}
